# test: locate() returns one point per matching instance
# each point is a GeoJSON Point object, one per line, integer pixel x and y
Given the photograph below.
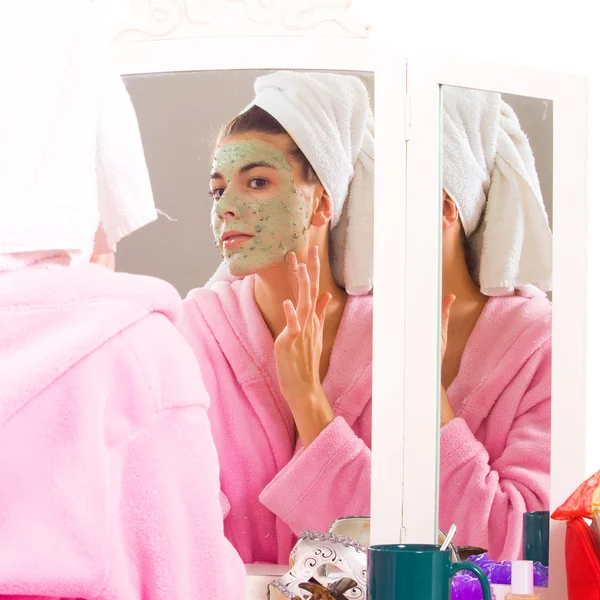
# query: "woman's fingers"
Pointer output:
{"type": "Point", "coordinates": [292, 262]}
{"type": "Point", "coordinates": [447, 303]}
{"type": "Point", "coordinates": [304, 301]}
{"type": "Point", "coordinates": [314, 273]}
{"type": "Point", "coordinates": [305, 284]}
{"type": "Point", "coordinates": [321, 308]}
{"type": "Point", "coordinates": [291, 319]}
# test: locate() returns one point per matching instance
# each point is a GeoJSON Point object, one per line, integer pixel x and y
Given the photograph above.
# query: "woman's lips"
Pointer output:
{"type": "Point", "coordinates": [233, 240]}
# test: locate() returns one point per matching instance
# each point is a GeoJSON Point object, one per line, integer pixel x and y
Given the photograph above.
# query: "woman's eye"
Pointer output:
{"type": "Point", "coordinates": [257, 183]}
{"type": "Point", "coordinates": [216, 193]}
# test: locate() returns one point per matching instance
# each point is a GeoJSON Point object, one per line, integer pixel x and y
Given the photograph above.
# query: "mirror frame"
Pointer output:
{"type": "Point", "coordinates": [171, 54]}
{"type": "Point", "coordinates": [426, 75]}
{"type": "Point", "coordinates": [403, 503]}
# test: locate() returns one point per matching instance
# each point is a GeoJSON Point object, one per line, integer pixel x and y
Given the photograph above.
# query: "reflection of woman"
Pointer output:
{"type": "Point", "coordinates": [496, 379]}
{"type": "Point", "coordinates": [290, 382]}
{"type": "Point", "coordinates": [109, 474]}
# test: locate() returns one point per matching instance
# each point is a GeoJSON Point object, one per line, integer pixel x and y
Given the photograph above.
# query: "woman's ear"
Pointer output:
{"type": "Point", "coordinates": [323, 210]}
{"type": "Point", "coordinates": [450, 216]}
{"type": "Point", "coordinates": [107, 260]}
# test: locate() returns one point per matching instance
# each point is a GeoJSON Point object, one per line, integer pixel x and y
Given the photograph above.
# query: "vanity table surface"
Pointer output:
{"type": "Point", "coordinates": [258, 578]}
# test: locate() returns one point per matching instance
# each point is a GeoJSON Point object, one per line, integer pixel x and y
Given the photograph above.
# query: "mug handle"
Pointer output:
{"type": "Point", "coordinates": [467, 566]}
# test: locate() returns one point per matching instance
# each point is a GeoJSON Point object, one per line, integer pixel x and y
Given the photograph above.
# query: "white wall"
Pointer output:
{"type": "Point", "coordinates": [536, 118]}
{"type": "Point", "coordinates": [180, 116]}
{"type": "Point", "coordinates": [534, 33]}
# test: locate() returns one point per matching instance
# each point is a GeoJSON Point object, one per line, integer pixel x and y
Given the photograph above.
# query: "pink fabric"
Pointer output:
{"type": "Point", "coordinates": [274, 487]}
{"type": "Point", "coordinates": [495, 456]}
{"type": "Point", "coordinates": [109, 476]}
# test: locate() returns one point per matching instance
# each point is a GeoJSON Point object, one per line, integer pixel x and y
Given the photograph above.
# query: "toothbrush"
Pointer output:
{"type": "Point", "coordinates": [448, 538]}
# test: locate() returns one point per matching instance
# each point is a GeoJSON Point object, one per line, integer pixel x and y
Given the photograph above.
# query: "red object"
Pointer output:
{"type": "Point", "coordinates": [583, 502]}
{"type": "Point", "coordinates": [583, 562]}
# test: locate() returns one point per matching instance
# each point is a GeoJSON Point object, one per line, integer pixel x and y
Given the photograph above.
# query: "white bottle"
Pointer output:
{"type": "Point", "coordinates": [521, 587]}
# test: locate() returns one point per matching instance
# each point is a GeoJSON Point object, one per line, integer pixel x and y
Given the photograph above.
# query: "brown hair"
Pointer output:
{"type": "Point", "coordinates": [259, 120]}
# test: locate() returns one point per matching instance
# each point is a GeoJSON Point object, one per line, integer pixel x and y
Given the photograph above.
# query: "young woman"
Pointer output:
{"type": "Point", "coordinates": [496, 343]}
{"type": "Point", "coordinates": [110, 485]}
{"type": "Point", "coordinates": [285, 350]}
{"type": "Point", "coordinates": [286, 354]}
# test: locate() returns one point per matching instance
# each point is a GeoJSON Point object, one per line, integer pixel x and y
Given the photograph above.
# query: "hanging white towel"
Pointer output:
{"type": "Point", "coordinates": [489, 172]}
{"type": "Point", "coordinates": [330, 119]}
{"type": "Point", "coordinates": [70, 148]}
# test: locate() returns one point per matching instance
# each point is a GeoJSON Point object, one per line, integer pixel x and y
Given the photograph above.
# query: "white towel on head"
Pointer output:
{"type": "Point", "coordinates": [70, 148]}
{"type": "Point", "coordinates": [489, 172]}
{"type": "Point", "coordinates": [329, 117]}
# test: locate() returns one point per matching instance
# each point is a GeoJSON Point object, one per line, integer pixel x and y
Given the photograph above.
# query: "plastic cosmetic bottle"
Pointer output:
{"type": "Point", "coordinates": [521, 587]}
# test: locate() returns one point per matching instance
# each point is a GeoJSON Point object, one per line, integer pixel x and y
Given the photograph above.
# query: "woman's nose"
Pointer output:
{"type": "Point", "coordinates": [226, 215]}
{"type": "Point", "coordinates": [227, 207]}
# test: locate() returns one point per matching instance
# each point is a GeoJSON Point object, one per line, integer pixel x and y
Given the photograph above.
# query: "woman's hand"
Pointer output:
{"type": "Point", "coordinates": [298, 350]}
{"type": "Point", "coordinates": [446, 412]}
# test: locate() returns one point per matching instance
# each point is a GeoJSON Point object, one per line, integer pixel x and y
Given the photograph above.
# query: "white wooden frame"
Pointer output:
{"type": "Point", "coordinates": [388, 437]}
{"type": "Point", "coordinates": [176, 54]}
{"type": "Point", "coordinates": [406, 338]}
{"type": "Point", "coordinates": [569, 96]}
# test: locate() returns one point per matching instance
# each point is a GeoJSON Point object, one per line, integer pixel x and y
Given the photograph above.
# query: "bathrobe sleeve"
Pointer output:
{"type": "Point", "coordinates": [326, 481]}
{"type": "Point", "coordinates": [486, 499]}
{"type": "Point", "coordinates": [166, 515]}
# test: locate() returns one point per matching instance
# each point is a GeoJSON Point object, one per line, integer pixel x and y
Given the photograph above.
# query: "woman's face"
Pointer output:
{"type": "Point", "coordinates": [261, 207]}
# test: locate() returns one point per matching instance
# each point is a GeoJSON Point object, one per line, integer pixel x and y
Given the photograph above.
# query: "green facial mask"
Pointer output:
{"type": "Point", "coordinates": [275, 214]}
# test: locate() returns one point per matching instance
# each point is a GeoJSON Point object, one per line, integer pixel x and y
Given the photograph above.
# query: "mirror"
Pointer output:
{"type": "Point", "coordinates": [495, 395]}
{"type": "Point", "coordinates": [293, 432]}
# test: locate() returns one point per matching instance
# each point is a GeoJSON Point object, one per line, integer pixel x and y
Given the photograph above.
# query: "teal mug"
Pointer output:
{"type": "Point", "coordinates": [415, 572]}
{"type": "Point", "coordinates": [536, 537]}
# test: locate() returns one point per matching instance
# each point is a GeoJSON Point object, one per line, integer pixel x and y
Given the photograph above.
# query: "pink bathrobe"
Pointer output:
{"type": "Point", "coordinates": [109, 484]}
{"type": "Point", "coordinates": [273, 489]}
{"type": "Point", "coordinates": [495, 456]}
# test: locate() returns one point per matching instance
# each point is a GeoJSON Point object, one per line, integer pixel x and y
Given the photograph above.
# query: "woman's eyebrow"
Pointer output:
{"type": "Point", "coordinates": [246, 168]}
{"type": "Point", "coordinates": [254, 165]}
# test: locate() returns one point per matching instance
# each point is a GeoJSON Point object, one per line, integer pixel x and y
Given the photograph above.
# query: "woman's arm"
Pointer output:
{"type": "Point", "coordinates": [326, 481]}
{"type": "Point", "coordinates": [486, 499]}
{"type": "Point", "coordinates": [330, 477]}
{"type": "Point", "coordinates": [298, 352]}
{"type": "Point", "coordinates": [168, 537]}
{"type": "Point", "coordinates": [167, 512]}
